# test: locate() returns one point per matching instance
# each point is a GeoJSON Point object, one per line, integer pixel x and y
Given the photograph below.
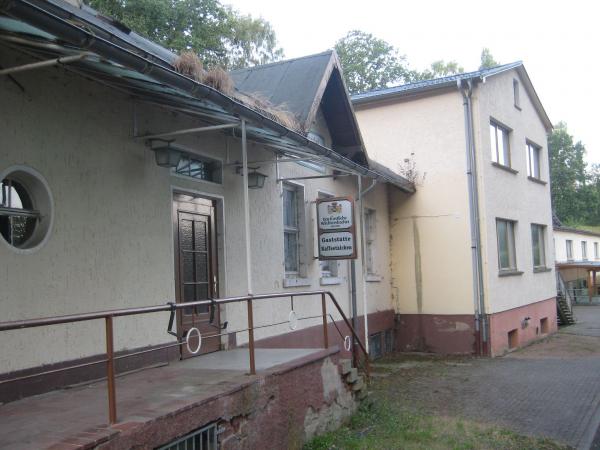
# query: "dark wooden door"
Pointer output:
{"type": "Point", "coordinates": [196, 269]}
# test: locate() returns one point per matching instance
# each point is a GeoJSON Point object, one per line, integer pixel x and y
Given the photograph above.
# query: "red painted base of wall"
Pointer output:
{"type": "Point", "coordinates": [436, 333]}
{"type": "Point", "coordinates": [312, 337]}
{"type": "Point", "coordinates": [526, 330]}
{"type": "Point", "coordinates": [455, 334]}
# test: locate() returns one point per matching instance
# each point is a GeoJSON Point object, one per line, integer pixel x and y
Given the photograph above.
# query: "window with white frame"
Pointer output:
{"type": "Point", "coordinates": [499, 141]}
{"type": "Point", "coordinates": [569, 246]}
{"type": "Point", "coordinates": [538, 241]}
{"type": "Point", "coordinates": [584, 250]}
{"type": "Point", "coordinates": [505, 230]}
{"type": "Point", "coordinates": [596, 252]}
{"type": "Point", "coordinates": [292, 228]}
{"type": "Point", "coordinates": [533, 160]}
{"type": "Point", "coordinates": [370, 234]}
{"type": "Point", "coordinates": [329, 268]}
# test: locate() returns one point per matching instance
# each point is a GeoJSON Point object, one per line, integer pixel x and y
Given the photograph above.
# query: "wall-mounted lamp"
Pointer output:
{"type": "Point", "coordinates": [167, 156]}
{"type": "Point", "coordinates": [256, 180]}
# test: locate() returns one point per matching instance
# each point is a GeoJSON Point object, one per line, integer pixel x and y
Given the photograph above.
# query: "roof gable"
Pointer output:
{"type": "Point", "coordinates": [302, 86]}
{"type": "Point", "coordinates": [292, 83]}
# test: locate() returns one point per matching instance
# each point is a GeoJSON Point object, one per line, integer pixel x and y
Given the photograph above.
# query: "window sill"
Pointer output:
{"type": "Point", "coordinates": [506, 168]}
{"type": "Point", "coordinates": [542, 269]}
{"type": "Point", "coordinates": [328, 281]}
{"type": "Point", "coordinates": [372, 278]}
{"type": "Point", "coordinates": [295, 282]}
{"type": "Point", "coordinates": [537, 180]}
{"type": "Point", "coordinates": [509, 273]}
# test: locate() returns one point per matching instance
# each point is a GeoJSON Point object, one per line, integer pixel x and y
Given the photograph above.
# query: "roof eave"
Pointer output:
{"type": "Point", "coordinates": [68, 31]}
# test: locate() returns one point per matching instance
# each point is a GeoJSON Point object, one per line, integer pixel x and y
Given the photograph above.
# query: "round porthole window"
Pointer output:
{"type": "Point", "coordinates": [25, 208]}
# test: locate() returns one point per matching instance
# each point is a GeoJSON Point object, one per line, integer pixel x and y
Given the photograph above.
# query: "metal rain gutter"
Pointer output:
{"type": "Point", "coordinates": [69, 32]}
{"type": "Point", "coordinates": [476, 259]}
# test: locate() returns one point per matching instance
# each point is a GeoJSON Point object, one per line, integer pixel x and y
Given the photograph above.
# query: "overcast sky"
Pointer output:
{"type": "Point", "coordinates": [559, 42]}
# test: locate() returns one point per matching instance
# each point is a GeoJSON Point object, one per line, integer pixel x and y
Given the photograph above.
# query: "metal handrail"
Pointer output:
{"type": "Point", "coordinates": [109, 315]}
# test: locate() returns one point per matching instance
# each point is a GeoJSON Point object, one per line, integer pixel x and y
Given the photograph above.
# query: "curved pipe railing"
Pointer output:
{"type": "Point", "coordinates": [109, 315]}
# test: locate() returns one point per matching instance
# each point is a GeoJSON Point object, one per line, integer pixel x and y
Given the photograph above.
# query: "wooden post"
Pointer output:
{"type": "Point", "coordinates": [110, 372]}
{"type": "Point", "coordinates": [590, 287]}
{"type": "Point", "coordinates": [324, 308]}
{"type": "Point", "coordinates": [251, 338]}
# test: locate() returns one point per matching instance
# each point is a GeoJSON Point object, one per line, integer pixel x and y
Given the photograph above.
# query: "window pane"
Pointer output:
{"type": "Point", "coordinates": [503, 253]}
{"type": "Point", "coordinates": [535, 240]}
{"type": "Point", "coordinates": [510, 227]}
{"type": "Point", "coordinates": [528, 157]}
{"type": "Point", "coordinates": [291, 252]}
{"type": "Point", "coordinates": [505, 153]}
{"type": "Point", "coordinates": [493, 143]}
{"type": "Point", "coordinates": [537, 237]}
{"type": "Point", "coordinates": [289, 208]}
{"type": "Point", "coordinates": [535, 162]}
{"type": "Point", "coordinates": [569, 249]}
{"type": "Point", "coordinates": [325, 268]}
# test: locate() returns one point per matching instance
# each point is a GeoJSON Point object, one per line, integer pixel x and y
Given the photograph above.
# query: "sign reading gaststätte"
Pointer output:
{"type": "Point", "coordinates": [337, 236]}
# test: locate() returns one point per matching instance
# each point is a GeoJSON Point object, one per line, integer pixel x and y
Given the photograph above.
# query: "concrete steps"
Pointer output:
{"type": "Point", "coordinates": [353, 379]}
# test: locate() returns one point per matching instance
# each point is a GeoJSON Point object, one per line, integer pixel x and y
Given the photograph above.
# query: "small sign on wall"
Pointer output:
{"type": "Point", "coordinates": [337, 231]}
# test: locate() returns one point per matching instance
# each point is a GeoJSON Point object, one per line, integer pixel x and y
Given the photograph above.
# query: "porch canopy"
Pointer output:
{"type": "Point", "coordinates": [101, 49]}
{"type": "Point", "coordinates": [592, 267]}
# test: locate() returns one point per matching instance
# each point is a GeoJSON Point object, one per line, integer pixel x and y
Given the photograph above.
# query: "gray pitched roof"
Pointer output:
{"type": "Point", "coordinates": [452, 80]}
{"type": "Point", "coordinates": [294, 83]}
{"type": "Point", "coordinates": [302, 85]}
{"type": "Point", "coordinates": [435, 82]}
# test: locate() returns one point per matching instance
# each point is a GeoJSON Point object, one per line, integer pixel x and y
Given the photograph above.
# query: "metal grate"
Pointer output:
{"type": "Point", "coordinates": [375, 349]}
{"type": "Point", "coordinates": [203, 439]}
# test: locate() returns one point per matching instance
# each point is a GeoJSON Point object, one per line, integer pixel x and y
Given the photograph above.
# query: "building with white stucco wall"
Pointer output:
{"type": "Point", "coordinates": [472, 260]}
{"type": "Point", "coordinates": [124, 186]}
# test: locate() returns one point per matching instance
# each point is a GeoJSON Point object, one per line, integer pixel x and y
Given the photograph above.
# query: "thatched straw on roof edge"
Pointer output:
{"type": "Point", "coordinates": [190, 65]}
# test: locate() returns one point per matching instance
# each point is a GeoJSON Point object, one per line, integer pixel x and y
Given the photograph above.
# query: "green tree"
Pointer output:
{"type": "Point", "coordinates": [571, 194]}
{"type": "Point", "coordinates": [369, 62]}
{"type": "Point", "coordinates": [437, 69]}
{"type": "Point", "coordinates": [217, 33]}
{"type": "Point", "coordinates": [487, 60]}
{"type": "Point", "coordinates": [250, 41]}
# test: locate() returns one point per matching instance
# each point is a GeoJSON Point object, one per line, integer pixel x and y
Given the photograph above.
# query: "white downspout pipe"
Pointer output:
{"type": "Point", "coordinates": [363, 248]}
{"type": "Point", "coordinates": [246, 209]}
{"type": "Point", "coordinates": [476, 258]}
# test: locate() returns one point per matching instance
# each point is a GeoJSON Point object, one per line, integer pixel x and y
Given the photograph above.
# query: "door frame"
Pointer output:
{"type": "Point", "coordinates": [217, 256]}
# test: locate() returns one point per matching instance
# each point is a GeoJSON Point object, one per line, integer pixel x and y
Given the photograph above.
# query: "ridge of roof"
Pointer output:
{"type": "Point", "coordinates": [283, 61]}
{"type": "Point", "coordinates": [450, 79]}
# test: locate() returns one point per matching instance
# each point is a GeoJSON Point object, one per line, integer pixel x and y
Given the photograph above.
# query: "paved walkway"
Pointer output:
{"type": "Point", "coordinates": [551, 388]}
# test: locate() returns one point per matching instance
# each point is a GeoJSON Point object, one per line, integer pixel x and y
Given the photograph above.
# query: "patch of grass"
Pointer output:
{"type": "Point", "coordinates": [386, 426]}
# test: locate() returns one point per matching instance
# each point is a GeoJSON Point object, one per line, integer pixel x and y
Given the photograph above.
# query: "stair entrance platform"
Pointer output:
{"type": "Point", "coordinates": [294, 394]}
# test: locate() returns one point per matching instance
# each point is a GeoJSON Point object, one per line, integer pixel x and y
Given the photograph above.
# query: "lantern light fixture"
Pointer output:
{"type": "Point", "coordinates": [167, 156]}
{"type": "Point", "coordinates": [256, 179]}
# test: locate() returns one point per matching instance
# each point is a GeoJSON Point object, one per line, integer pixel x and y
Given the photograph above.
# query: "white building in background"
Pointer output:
{"type": "Point", "coordinates": [578, 262]}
